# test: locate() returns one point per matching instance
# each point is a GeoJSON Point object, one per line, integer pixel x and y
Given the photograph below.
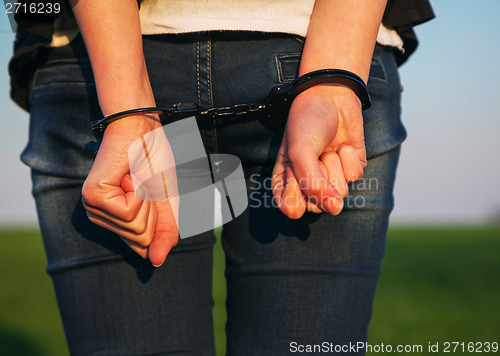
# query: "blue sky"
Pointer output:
{"type": "Point", "coordinates": [449, 164]}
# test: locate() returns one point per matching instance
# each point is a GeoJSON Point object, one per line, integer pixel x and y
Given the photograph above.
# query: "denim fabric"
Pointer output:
{"type": "Point", "coordinates": [307, 281]}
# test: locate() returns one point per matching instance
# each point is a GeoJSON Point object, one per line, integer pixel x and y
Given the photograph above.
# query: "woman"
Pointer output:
{"type": "Point", "coordinates": [303, 277]}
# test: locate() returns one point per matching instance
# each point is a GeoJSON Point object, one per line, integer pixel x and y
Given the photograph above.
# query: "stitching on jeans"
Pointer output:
{"type": "Point", "coordinates": [287, 54]}
{"type": "Point", "coordinates": [198, 69]}
{"type": "Point", "coordinates": [62, 66]}
{"type": "Point", "coordinates": [209, 64]}
{"type": "Point", "coordinates": [68, 61]}
{"type": "Point", "coordinates": [209, 89]}
{"type": "Point", "coordinates": [377, 61]}
{"type": "Point", "coordinates": [62, 85]}
{"type": "Point", "coordinates": [198, 78]}
{"type": "Point", "coordinates": [277, 63]}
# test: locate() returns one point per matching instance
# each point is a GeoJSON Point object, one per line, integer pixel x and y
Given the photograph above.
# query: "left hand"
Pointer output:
{"type": "Point", "coordinates": [149, 227]}
{"type": "Point", "coordinates": [322, 151]}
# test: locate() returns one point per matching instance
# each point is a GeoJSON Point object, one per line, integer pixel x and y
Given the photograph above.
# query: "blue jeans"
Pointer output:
{"type": "Point", "coordinates": [289, 282]}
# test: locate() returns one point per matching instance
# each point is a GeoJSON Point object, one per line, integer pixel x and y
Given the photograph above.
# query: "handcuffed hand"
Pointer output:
{"type": "Point", "coordinates": [148, 226]}
{"type": "Point", "coordinates": [322, 151]}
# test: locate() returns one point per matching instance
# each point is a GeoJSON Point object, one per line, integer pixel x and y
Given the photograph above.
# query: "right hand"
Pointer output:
{"type": "Point", "coordinates": [322, 151]}
{"type": "Point", "coordinates": [147, 227]}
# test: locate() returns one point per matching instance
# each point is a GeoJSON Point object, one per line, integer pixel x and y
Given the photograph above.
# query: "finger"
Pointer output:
{"type": "Point", "coordinates": [166, 233]}
{"type": "Point", "coordinates": [304, 149]}
{"type": "Point", "coordinates": [127, 184]}
{"type": "Point", "coordinates": [351, 163]}
{"type": "Point", "coordinates": [351, 131]}
{"type": "Point", "coordinates": [277, 184]}
{"type": "Point", "coordinates": [293, 203]}
{"type": "Point", "coordinates": [113, 199]}
{"type": "Point", "coordinates": [140, 250]}
{"type": "Point", "coordinates": [102, 188]}
{"type": "Point", "coordinates": [314, 184]}
{"type": "Point", "coordinates": [310, 206]}
{"type": "Point", "coordinates": [278, 175]}
{"type": "Point", "coordinates": [313, 208]}
{"type": "Point", "coordinates": [334, 172]}
{"type": "Point", "coordinates": [144, 238]}
{"type": "Point", "coordinates": [137, 226]}
{"type": "Point", "coordinates": [361, 149]}
{"type": "Point", "coordinates": [278, 193]}
{"type": "Point", "coordinates": [279, 166]}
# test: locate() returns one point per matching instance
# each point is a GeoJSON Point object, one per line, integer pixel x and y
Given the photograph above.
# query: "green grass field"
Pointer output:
{"type": "Point", "coordinates": [437, 285]}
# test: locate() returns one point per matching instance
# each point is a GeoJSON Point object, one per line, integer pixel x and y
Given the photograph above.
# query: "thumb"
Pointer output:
{"type": "Point", "coordinates": [315, 185]}
{"type": "Point", "coordinates": [166, 233]}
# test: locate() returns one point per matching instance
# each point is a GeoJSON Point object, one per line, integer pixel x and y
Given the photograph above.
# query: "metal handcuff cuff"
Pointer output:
{"type": "Point", "coordinates": [275, 107]}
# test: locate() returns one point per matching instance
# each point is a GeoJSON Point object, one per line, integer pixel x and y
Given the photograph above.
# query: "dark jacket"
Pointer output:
{"type": "Point", "coordinates": [402, 16]}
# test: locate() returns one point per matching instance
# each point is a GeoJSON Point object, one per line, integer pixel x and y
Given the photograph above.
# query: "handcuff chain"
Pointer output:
{"type": "Point", "coordinates": [234, 110]}
{"type": "Point", "coordinates": [276, 106]}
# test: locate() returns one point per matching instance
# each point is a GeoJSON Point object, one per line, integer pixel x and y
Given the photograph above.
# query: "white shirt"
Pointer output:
{"type": "Point", "coordinates": [184, 16]}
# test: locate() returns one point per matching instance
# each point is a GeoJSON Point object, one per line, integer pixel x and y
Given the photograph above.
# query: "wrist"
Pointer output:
{"type": "Point", "coordinates": [338, 93]}
{"type": "Point", "coordinates": [117, 100]}
{"type": "Point", "coordinates": [133, 126]}
{"type": "Point", "coordinates": [335, 78]}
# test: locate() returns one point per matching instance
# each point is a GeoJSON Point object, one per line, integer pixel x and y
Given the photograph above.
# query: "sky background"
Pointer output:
{"type": "Point", "coordinates": [449, 169]}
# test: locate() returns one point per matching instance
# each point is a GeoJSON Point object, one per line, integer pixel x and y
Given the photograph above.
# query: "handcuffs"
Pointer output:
{"type": "Point", "coordinates": [275, 107]}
